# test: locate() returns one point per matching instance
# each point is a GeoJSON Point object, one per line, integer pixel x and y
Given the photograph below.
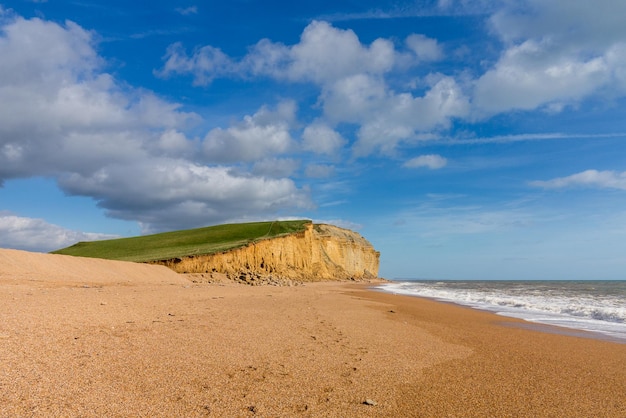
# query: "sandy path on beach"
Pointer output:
{"type": "Point", "coordinates": [130, 340]}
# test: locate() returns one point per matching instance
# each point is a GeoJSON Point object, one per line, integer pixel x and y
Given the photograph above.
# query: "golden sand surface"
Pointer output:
{"type": "Point", "coordinates": [117, 340]}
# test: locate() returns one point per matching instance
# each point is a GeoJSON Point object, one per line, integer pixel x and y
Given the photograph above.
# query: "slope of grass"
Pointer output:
{"type": "Point", "coordinates": [175, 244]}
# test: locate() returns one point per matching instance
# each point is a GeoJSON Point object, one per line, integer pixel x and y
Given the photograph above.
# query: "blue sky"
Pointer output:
{"type": "Point", "coordinates": [465, 139]}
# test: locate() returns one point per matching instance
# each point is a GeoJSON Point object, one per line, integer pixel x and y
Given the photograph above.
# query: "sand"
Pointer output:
{"type": "Point", "coordinates": [92, 338]}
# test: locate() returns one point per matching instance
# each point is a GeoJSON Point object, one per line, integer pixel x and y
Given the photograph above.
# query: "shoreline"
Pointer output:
{"type": "Point", "coordinates": [602, 330]}
{"type": "Point", "coordinates": [522, 323]}
{"type": "Point", "coordinates": [320, 349]}
{"type": "Point", "coordinates": [516, 369]}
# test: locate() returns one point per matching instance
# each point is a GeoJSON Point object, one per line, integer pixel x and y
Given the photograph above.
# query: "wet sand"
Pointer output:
{"type": "Point", "coordinates": [89, 345]}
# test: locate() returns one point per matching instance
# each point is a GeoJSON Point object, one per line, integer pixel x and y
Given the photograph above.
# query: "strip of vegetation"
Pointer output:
{"type": "Point", "coordinates": [177, 244]}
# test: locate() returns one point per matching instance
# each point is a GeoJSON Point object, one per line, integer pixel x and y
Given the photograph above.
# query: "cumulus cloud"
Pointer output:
{"type": "Point", "coordinates": [573, 22]}
{"type": "Point", "coordinates": [265, 133]}
{"type": "Point", "coordinates": [33, 234]}
{"type": "Point", "coordinates": [322, 139]}
{"type": "Point", "coordinates": [352, 80]}
{"type": "Point", "coordinates": [319, 171]}
{"type": "Point", "coordinates": [59, 111]}
{"type": "Point", "coordinates": [350, 99]}
{"type": "Point", "coordinates": [275, 167]}
{"type": "Point", "coordinates": [63, 116]}
{"type": "Point", "coordinates": [324, 54]}
{"type": "Point", "coordinates": [588, 178]}
{"type": "Point", "coordinates": [386, 118]}
{"type": "Point", "coordinates": [533, 74]}
{"type": "Point", "coordinates": [175, 143]}
{"type": "Point", "coordinates": [558, 53]}
{"type": "Point", "coordinates": [392, 118]}
{"type": "Point", "coordinates": [165, 193]}
{"type": "Point", "coordinates": [426, 49]}
{"type": "Point", "coordinates": [431, 161]}
{"type": "Point", "coordinates": [206, 64]}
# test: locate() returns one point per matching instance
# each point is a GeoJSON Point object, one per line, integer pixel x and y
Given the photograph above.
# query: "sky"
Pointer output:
{"type": "Point", "coordinates": [478, 139]}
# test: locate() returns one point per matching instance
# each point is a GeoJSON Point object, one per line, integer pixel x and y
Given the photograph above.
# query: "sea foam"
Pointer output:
{"type": "Point", "coordinates": [596, 306]}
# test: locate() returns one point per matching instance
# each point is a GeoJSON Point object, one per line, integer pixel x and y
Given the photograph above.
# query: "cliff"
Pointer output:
{"type": "Point", "coordinates": [320, 252]}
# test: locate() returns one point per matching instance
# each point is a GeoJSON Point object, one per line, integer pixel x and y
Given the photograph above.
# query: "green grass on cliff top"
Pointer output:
{"type": "Point", "coordinates": [169, 245]}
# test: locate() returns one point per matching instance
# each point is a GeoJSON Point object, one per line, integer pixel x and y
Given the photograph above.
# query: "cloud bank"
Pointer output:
{"type": "Point", "coordinates": [38, 235]}
{"type": "Point", "coordinates": [63, 116]}
{"type": "Point", "coordinates": [352, 82]}
{"type": "Point", "coordinates": [558, 53]}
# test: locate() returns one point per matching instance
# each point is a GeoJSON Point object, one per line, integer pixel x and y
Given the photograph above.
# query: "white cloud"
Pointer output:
{"type": "Point", "coordinates": [206, 64]}
{"type": "Point", "coordinates": [38, 235]}
{"type": "Point", "coordinates": [353, 99]}
{"type": "Point", "coordinates": [588, 178]}
{"type": "Point", "coordinates": [63, 117]}
{"type": "Point", "coordinates": [387, 118]}
{"type": "Point", "coordinates": [275, 167]}
{"type": "Point", "coordinates": [426, 49]}
{"type": "Point", "coordinates": [44, 51]}
{"type": "Point", "coordinates": [258, 136]}
{"type": "Point", "coordinates": [570, 22]}
{"type": "Point", "coordinates": [558, 53]}
{"type": "Point", "coordinates": [175, 143]}
{"type": "Point", "coordinates": [431, 161]}
{"type": "Point", "coordinates": [352, 78]}
{"type": "Point", "coordinates": [59, 111]}
{"type": "Point", "coordinates": [165, 193]}
{"type": "Point", "coordinates": [533, 74]}
{"type": "Point", "coordinates": [324, 54]}
{"type": "Point", "coordinates": [322, 139]}
{"type": "Point", "coordinates": [390, 119]}
{"type": "Point", "coordinates": [319, 171]}
{"type": "Point", "coordinates": [186, 11]}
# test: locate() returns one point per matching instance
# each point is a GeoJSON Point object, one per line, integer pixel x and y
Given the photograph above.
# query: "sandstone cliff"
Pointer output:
{"type": "Point", "coordinates": [320, 252]}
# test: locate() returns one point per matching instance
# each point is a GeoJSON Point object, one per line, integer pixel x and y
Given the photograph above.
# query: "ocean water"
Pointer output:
{"type": "Point", "coordinates": [596, 306]}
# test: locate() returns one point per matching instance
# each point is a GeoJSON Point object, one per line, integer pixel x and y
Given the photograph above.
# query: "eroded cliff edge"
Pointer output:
{"type": "Point", "coordinates": [319, 253]}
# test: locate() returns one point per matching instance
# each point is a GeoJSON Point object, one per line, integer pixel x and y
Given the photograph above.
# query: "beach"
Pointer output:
{"type": "Point", "coordinates": [95, 344]}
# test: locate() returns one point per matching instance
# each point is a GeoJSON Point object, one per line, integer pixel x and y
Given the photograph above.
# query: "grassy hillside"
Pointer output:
{"type": "Point", "coordinates": [174, 244]}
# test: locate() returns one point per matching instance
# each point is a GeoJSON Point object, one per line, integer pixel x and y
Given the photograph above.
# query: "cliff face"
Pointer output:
{"type": "Point", "coordinates": [320, 252]}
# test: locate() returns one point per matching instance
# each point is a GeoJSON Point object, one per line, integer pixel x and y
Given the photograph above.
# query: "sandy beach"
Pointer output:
{"type": "Point", "coordinates": [93, 338]}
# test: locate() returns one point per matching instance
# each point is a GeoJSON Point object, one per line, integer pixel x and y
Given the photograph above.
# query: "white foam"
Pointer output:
{"type": "Point", "coordinates": [598, 313]}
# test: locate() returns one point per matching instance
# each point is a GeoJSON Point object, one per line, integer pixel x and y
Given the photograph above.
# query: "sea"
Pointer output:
{"type": "Point", "coordinates": [596, 306]}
